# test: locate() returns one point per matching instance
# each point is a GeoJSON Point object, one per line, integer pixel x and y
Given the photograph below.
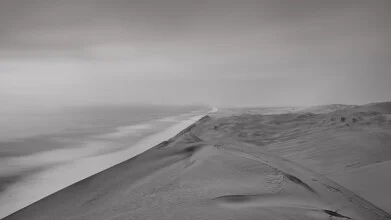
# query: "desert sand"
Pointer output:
{"type": "Point", "coordinates": [325, 162]}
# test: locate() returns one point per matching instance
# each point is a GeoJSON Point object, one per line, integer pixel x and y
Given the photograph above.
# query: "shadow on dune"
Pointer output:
{"type": "Point", "coordinates": [232, 167]}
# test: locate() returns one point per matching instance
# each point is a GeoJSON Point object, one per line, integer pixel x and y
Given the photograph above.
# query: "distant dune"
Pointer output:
{"type": "Point", "coordinates": [325, 162]}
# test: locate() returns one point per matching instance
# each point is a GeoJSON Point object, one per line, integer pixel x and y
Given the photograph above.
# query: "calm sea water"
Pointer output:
{"type": "Point", "coordinates": [30, 142]}
{"type": "Point", "coordinates": [25, 133]}
{"type": "Point", "coordinates": [43, 153]}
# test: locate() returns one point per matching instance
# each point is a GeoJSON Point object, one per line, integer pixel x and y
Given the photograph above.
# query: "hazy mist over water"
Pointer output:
{"type": "Point", "coordinates": [82, 120]}
{"type": "Point", "coordinates": [100, 85]}
{"type": "Point", "coordinates": [31, 142]}
{"type": "Point", "coordinates": [41, 153]}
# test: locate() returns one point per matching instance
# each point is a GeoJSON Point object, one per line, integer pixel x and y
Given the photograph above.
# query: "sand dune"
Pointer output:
{"type": "Point", "coordinates": [372, 182]}
{"type": "Point", "coordinates": [34, 186]}
{"type": "Point", "coordinates": [235, 165]}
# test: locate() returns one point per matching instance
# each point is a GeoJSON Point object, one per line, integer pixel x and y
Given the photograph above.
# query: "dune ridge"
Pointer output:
{"type": "Point", "coordinates": [36, 186]}
{"type": "Point", "coordinates": [235, 166]}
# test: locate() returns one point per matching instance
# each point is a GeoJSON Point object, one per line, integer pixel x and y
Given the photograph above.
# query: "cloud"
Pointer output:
{"type": "Point", "coordinates": [81, 52]}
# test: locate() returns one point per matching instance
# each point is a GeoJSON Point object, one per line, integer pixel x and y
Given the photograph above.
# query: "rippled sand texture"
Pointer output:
{"type": "Point", "coordinates": [240, 165]}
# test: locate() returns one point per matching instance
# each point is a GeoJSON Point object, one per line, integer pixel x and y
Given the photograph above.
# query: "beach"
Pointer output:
{"type": "Point", "coordinates": [31, 177]}
{"type": "Point", "coordinates": [245, 164]}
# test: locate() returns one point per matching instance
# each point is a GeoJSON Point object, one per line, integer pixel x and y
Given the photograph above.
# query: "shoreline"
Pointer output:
{"type": "Point", "coordinates": [20, 195]}
{"type": "Point", "coordinates": [218, 166]}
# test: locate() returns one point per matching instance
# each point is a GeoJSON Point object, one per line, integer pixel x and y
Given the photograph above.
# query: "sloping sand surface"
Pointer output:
{"type": "Point", "coordinates": [371, 182]}
{"type": "Point", "coordinates": [35, 186]}
{"type": "Point", "coordinates": [237, 166]}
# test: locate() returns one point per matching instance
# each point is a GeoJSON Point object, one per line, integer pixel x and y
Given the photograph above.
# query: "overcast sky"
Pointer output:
{"type": "Point", "coordinates": [218, 52]}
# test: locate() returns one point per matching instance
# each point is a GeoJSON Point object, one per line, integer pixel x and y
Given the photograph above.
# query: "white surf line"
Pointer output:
{"type": "Point", "coordinates": [44, 183]}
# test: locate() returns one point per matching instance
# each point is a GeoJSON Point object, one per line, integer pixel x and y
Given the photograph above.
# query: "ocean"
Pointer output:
{"type": "Point", "coordinates": [41, 153]}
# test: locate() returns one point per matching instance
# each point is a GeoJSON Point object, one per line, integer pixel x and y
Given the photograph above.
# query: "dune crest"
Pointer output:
{"type": "Point", "coordinates": [236, 166]}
